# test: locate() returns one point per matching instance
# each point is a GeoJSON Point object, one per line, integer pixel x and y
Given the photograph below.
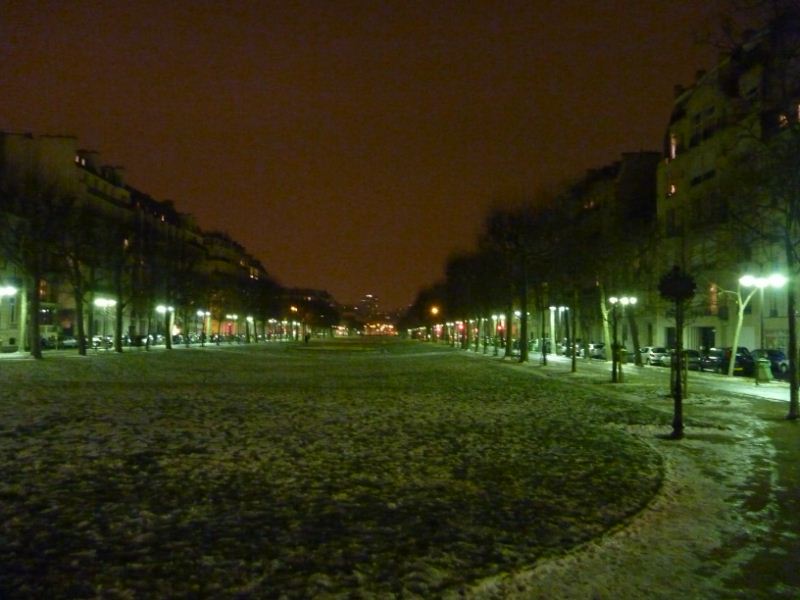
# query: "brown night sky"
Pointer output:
{"type": "Point", "coordinates": [351, 146]}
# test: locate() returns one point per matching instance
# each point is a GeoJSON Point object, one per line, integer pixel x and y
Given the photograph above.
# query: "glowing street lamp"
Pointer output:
{"type": "Point", "coordinates": [166, 312]}
{"type": "Point", "coordinates": [233, 317]}
{"type": "Point", "coordinates": [204, 315]}
{"type": "Point", "coordinates": [105, 304]}
{"type": "Point", "coordinates": [774, 281]}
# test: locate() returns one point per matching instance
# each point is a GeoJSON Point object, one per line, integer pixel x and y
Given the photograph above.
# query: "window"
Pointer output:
{"type": "Point", "coordinates": [698, 179]}
{"type": "Point", "coordinates": [672, 223]}
{"type": "Point", "coordinates": [704, 125]}
{"type": "Point", "coordinates": [713, 300]}
{"type": "Point", "coordinates": [673, 146]}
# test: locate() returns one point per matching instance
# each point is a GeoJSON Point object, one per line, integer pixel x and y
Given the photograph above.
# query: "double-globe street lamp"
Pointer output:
{"type": "Point", "coordinates": [616, 363]}
{"type": "Point", "coordinates": [774, 281]}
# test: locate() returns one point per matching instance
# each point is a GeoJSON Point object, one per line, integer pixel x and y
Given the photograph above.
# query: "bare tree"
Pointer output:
{"type": "Point", "coordinates": [32, 213]}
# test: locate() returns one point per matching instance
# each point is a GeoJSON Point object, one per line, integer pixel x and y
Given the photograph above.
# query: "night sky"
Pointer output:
{"type": "Point", "coordinates": [351, 146]}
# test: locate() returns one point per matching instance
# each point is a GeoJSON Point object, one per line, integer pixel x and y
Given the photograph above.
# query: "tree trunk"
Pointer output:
{"type": "Point", "coordinates": [677, 419]}
{"type": "Point", "coordinates": [604, 314]}
{"type": "Point", "coordinates": [572, 342]}
{"type": "Point", "coordinates": [544, 332]}
{"type": "Point", "coordinates": [118, 311]}
{"type": "Point", "coordinates": [507, 333]}
{"type": "Point", "coordinates": [523, 316]}
{"type": "Point", "coordinates": [736, 333]}
{"type": "Point", "coordinates": [637, 356]}
{"type": "Point", "coordinates": [793, 366]}
{"type": "Point", "coordinates": [80, 332]}
{"type": "Point", "coordinates": [23, 318]}
{"type": "Point", "coordinates": [34, 337]}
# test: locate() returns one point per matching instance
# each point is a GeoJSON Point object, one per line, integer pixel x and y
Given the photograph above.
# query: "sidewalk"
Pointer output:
{"type": "Point", "coordinates": [725, 524]}
{"type": "Point", "coordinates": [706, 381]}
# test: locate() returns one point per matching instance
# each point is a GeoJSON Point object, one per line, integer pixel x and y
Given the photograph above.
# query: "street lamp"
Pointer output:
{"type": "Point", "coordinates": [105, 304]}
{"type": "Point", "coordinates": [235, 328]}
{"type": "Point", "coordinates": [166, 312]}
{"type": "Point", "coordinates": [616, 363]}
{"type": "Point", "coordinates": [775, 281]}
{"type": "Point", "coordinates": [203, 314]}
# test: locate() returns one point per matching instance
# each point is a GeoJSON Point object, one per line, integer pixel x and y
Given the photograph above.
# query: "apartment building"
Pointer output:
{"type": "Point", "coordinates": [743, 100]}
{"type": "Point", "coordinates": [138, 227]}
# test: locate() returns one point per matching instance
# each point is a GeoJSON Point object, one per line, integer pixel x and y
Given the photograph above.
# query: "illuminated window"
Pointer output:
{"type": "Point", "coordinates": [713, 299]}
{"type": "Point", "coordinates": [673, 146]}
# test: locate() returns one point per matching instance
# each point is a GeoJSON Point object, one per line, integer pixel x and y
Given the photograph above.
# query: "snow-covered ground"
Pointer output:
{"type": "Point", "coordinates": [335, 430]}
{"type": "Point", "coordinates": [719, 508]}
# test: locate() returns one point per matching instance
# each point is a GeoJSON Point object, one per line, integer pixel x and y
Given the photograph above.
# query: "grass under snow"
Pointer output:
{"type": "Point", "coordinates": [340, 468]}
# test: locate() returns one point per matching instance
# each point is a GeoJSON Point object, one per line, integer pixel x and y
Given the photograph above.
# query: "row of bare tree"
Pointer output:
{"type": "Point", "coordinates": [58, 240]}
{"type": "Point", "coordinates": [567, 249]}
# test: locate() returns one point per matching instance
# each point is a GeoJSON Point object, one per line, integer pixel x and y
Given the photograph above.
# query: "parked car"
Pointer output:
{"type": "Point", "coordinates": [718, 359]}
{"type": "Point", "coordinates": [692, 358]}
{"type": "Point", "coordinates": [655, 355]}
{"type": "Point", "coordinates": [99, 341]}
{"type": "Point", "coordinates": [66, 341]}
{"type": "Point", "coordinates": [778, 361]}
{"type": "Point", "coordinates": [596, 350]}
{"type": "Point", "coordinates": [712, 359]}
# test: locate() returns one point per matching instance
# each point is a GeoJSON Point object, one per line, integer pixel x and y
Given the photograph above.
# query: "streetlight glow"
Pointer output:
{"type": "Point", "coordinates": [776, 281]}
{"type": "Point", "coordinates": [104, 302]}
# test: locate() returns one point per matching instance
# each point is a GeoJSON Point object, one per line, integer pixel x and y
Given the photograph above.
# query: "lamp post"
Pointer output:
{"type": "Point", "coordinates": [774, 281]}
{"type": "Point", "coordinates": [248, 324]}
{"type": "Point", "coordinates": [563, 327]}
{"type": "Point", "coordinates": [434, 310]}
{"type": "Point", "coordinates": [105, 304]}
{"type": "Point", "coordinates": [233, 330]}
{"type": "Point", "coordinates": [166, 312]}
{"type": "Point", "coordinates": [616, 362]}
{"type": "Point", "coordinates": [203, 315]}
{"type": "Point", "coordinates": [680, 287]}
